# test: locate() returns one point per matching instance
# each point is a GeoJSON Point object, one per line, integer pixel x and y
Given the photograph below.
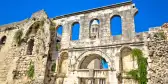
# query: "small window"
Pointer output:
{"type": "Point", "coordinates": [3, 40]}
{"type": "Point", "coordinates": [30, 47]}
{"type": "Point", "coordinates": [92, 29]}
{"type": "Point", "coordinates": [59, 30]}
{"type": "Point", "coordinates": [75, 31]}
{"type": "Point", "coordinates": [96, 29]}
{"type": "Point", "coordinates": [115, 25]}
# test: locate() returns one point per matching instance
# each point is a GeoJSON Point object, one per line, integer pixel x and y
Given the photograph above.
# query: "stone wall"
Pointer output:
{"type": "Point", "coordinates": [158, 62]}
{"type": "Point", "coordinates": [158, 56]}
{"type": "Point", "coordinates": [33, 47]}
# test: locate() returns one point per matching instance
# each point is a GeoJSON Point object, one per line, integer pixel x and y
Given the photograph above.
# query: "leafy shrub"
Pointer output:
{"type": "Point", "coordinates": [58, 46]}
{"type": "Point", "coordinates": [30, 71]}
{"type": "Point", "coordinates": [141, 73]}
{"type": "Point", "coordinates": [53, 67]}
{"type": "Point", "coordinates": [18, 36]}
{"type": "Point", "coordinates": [52, 28]}
{"type": "Point", "coordinates": [160, 35]}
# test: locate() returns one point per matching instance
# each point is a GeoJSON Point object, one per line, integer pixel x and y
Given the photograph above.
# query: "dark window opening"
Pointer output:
{"type": "Point", "coordinates": [3, 40]}
{"type": "Point", "coordinates": [58, 40]}
{"type": "Point", "coordinates": [30, 47]}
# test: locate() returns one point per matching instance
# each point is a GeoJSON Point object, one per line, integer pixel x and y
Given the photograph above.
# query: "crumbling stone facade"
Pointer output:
{"type": "Point", "coordinates": [158, 68]}
{"type": "Point", "coordinates": [33, 46]}
{"type": "Point", "coordinates": [74, 56]}
{"type": "Point", "coordinates": [30, 55]}
{"type": "Point", "coordinates": [157, 59]}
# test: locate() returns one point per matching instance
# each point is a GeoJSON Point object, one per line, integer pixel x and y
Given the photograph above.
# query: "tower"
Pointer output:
{"type": "Point", "coordinates": [94, 29]}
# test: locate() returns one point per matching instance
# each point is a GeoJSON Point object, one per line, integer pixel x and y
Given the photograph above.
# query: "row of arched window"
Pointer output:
{"type": "Point", "coordinates": [115, 27]}
{"type": "Point", "coordinates": [30, 44]}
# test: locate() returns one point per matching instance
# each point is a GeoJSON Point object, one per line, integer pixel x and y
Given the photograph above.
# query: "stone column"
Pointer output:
{"type": "Point", "coordinates": [104, 32]}
{"type": "Point", "coordinates": [112, 75]}
{"type": "Point", "coordinates": [84, 34]}
{"type": "Point", "coordinates": [66, 36]}
{"type": "Point", "coordinates": [128, 27]}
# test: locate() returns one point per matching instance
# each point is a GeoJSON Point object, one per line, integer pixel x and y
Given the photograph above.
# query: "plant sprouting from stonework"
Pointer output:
{"type": "Point", "coordinates": [53, 67]}
{"type": "Point", "coordinates": [34, 27]}
{"type": "Point", "coordinates": [139, 74]}
{"type": "Point", "coordinates": [30, 72]}
{"type": "Point", "coordinates": [18, 36]}
{"type": "Point", "coordinates": [52, 26]}
{"type": "Point", "coordinates": [160, 35]}
{"type": "Point", "coordinates": [58, 46]}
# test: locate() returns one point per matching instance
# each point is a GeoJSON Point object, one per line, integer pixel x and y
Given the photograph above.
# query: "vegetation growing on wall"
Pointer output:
{"type": "Point", "coordinates": [53, 67]}
{"type": "Point", "coordinates": [58, 46]}
{"type": "Point", "coordinates": [160, 35]}
{"type": "Point", "coordinates": [52, 28]}
{"type": "Point", "coordinates": [30, 72]}
{"type": "Point", "coordinates": [18, 37]}
{"type": "Point", "coordinates": [34, 28]}
{"type": "Point", "coordinates": [139, 74]}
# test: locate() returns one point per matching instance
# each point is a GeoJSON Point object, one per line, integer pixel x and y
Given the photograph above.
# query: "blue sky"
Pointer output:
{"type": "Point", "coordinates": [151, 12]}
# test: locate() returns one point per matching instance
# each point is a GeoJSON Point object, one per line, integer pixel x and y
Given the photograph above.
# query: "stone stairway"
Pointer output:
{"type": "Point", "coordinates": [3, 64]}
{"type": "Point", "coordinates": [3, 72]}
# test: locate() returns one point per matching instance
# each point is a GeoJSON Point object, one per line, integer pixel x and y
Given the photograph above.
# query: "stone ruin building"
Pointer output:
{"type": "Point", "coordinates": [33, 53]}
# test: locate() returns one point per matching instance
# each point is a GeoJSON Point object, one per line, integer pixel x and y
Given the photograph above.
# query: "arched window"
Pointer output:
{"type": "Point", "coordinates": [127, 61]}
{"type": "Point", "coordinates": [115, 25]}
{"type": "Point", "coordinates": [59, 33]}
{"type": "Point", "coordinates": [63, 63]}
{"type": "Point", "coordinates": [94, 28]}
{"type": "Point", "coordinates": [75, 31]}
{"type": "Point", "coordinates": [94, 21]}
{"type": "Point", "coordinates": [3, 40]}
{"type": "Point", "coordinates": [30, 47]}
{"type": "Point", "coordinates": [34, 28]}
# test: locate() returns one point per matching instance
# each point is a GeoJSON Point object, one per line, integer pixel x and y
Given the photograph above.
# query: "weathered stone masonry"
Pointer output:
{"type": "Point", "coordinates": [16, 59]}
{"type": "Point", "coordinates": [75, 55]}
{"type": "Point", "coordinates": [78, 62]}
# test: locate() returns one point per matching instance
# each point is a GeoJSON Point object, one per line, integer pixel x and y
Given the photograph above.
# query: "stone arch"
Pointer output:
{"type": "Point", "coordinates": [86, 63]}
{"type": "Point", "coordinates": [97, 52]}
{"type": "Point", "coordinates": [59, 26]}
{"type": "Point", "coordinates": [126, 59]}
{"type": "Point", "coordinates": [3, 40]}
{"type": "Point", "coordinates": [118, 21]}
{"type": "Point", "coordinates": [33, 28]}
{"type": "Point", "coordinates": [59, 30]}
{"type": "Point", "coordinates": [63, 63]}
{"type": "Point", "coordinates": [91, 21]}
